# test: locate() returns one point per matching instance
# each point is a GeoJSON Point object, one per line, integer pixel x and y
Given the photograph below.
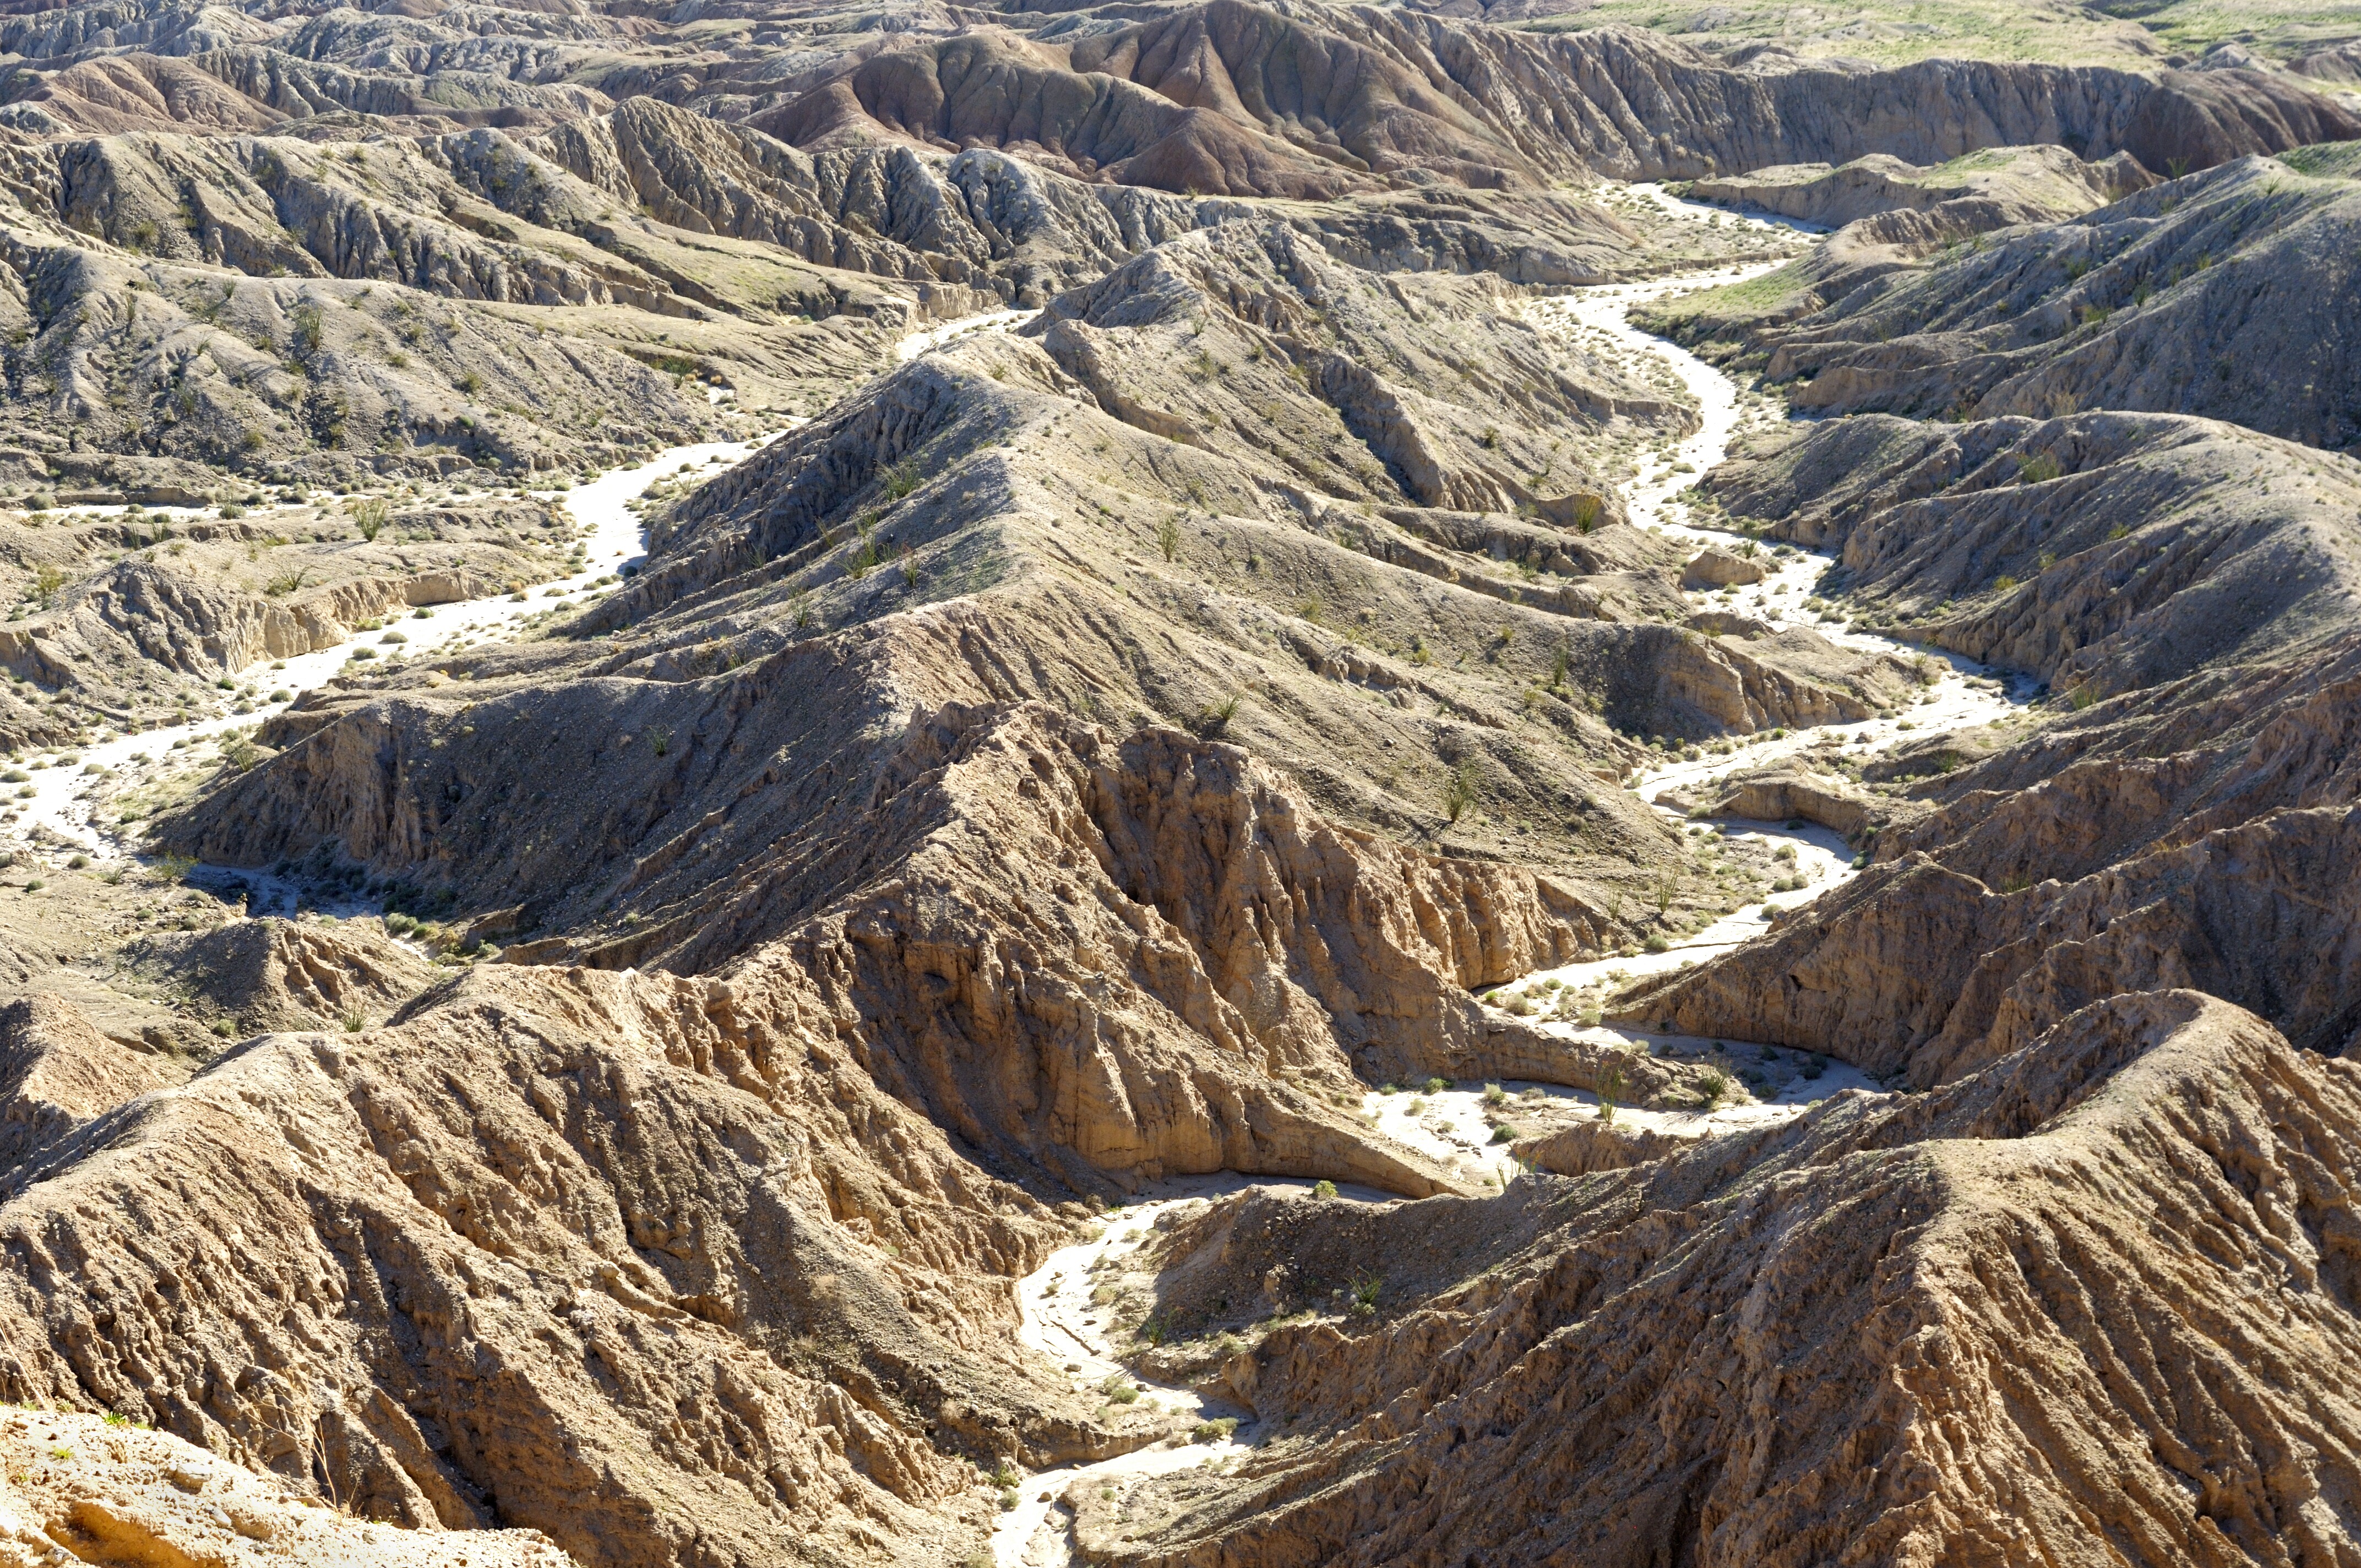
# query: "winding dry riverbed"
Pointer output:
{"type": "Point", "coordinates": [68, 791]}
{"type": "Point", "coordinates": [69, 785]}
{"type": "Point", "coordinates": [1450, 1121]}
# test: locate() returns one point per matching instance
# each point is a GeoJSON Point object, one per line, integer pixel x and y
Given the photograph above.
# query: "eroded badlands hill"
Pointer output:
{"type": "Point", "coordinates": [1883, 1331]}
{"type": "Point", "coordinates": [2224, 295]}
{"type": "Point", "coordinates": [611, 1083]}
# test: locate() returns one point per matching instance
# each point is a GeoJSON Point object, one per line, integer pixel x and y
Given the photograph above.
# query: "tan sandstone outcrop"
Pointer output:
{"type": "Point", "coordinates": [78, 1488]}
{"type": "Point", "coordinates": [57, 1072]}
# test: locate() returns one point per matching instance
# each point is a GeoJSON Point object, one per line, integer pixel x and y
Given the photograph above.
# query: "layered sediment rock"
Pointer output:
{"type": "Point", "coordinates": [2184, 812]}
{"type": "Point", "coordinates": [2102, 552]}
{"type": "Point", "coordinates": [738, 699]}
{"type": "Point", "coordinates": [80, 1488]}
{"type": "Point", "coordinates": [1097, 752]}
{"type": "Point", "coordinates": [1224, 98]}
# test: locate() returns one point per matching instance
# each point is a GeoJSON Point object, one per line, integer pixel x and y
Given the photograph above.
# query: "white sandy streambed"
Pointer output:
{"type": "Point", "coordinates": [1074, 1333]}
{"type": "Point", "coordinates": [66, 780]}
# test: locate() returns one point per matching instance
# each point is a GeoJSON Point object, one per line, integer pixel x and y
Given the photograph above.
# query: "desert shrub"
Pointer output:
{"type": "Point", "coordinates": [1459, 789]}
{"type": "Point", "coordinates": [1214, 717]}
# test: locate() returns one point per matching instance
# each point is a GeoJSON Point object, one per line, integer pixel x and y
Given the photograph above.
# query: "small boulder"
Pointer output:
{"type": "Point", "coordinates": [1721, 569]}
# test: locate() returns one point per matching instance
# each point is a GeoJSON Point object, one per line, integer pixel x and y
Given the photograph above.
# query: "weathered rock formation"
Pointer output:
{"type": "Point", "coordinates": [2184, 816]}
{"type": "Point", "coordinates": [1099, 750]}
{"type": "Point", "coordinates": [985, 527]}
{"type": "Point", "coordinates": [177, 603]}
{"type": "Point", "coordinates": [1230, 98]}
{"type": "Point", "coordinates": [2102, 551]}
{"type": "Point", "coordinates": [1904, 1293]}
{"type": "Point", "coordinates": [278, 974]}
{"type": "Point", "coordinates": [78, 1488]}
{"type": "Point", "coordinates": [57, 1072]}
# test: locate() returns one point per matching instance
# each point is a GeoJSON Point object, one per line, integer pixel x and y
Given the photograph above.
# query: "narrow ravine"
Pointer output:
{"type": "Point", "coordinates": [1073, 1331]}
{"type": "Point", "coordinates": [958, 330]}
{"type": "Point", "coordinates": [1961, 694]}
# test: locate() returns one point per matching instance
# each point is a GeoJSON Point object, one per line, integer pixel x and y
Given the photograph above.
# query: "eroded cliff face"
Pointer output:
{"type": "Point", "coordinates": [513, 1260]}
{"type": "Point", "coordinates": [80, 1488]}
{"type": "Point", "coordinates": [458, 1267]}
{"type": "Point", "coordinates": [2102, 551]}
{"type": "Point", "coordinates": [1230, 98]}
{"type": "Point", "coordinates": [987, 527]}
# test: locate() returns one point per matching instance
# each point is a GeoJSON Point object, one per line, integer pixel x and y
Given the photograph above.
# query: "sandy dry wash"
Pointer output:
{"type": "Point", "coordinates": [1190, 784]}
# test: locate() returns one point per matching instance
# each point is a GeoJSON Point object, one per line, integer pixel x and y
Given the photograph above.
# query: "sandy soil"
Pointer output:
{"type": "Point", "coordinates": [1061, 1322]}
{"type": "Point", "coordinates": [926, 341]}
